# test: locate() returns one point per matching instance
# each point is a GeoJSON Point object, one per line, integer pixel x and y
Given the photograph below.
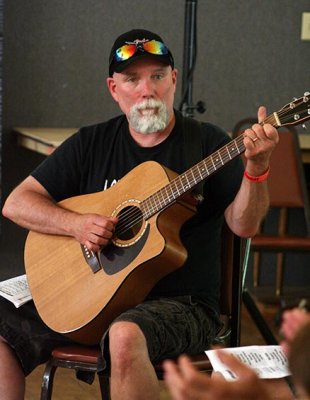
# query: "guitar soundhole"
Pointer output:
{"type": "Point", "coordinates": [129, 224]}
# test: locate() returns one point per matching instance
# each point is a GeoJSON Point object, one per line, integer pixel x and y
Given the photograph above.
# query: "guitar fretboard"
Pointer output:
{"type": "Point", "coordinates": [199, 172]}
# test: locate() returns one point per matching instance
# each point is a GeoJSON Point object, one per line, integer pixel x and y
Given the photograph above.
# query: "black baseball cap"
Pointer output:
{"type": "Point", "coordinates": [136, 36]}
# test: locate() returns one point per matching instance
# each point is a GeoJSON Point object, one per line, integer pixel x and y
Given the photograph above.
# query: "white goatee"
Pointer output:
{"type": "Point", "coordinates": [149, 116]}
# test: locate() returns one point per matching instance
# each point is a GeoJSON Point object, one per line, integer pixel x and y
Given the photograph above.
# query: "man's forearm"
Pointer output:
{"type": "Point", "coordinates": [249, 207]}
{"type": "Point", "coordinates": [35, 211]}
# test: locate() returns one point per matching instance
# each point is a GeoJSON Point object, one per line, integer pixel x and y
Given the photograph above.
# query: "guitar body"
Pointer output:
{"type": "Point", "coordinates": [75, 300]}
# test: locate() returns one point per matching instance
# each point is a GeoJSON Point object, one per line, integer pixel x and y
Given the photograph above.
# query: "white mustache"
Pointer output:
{"type": "Point", "coordinates": [149, 103]}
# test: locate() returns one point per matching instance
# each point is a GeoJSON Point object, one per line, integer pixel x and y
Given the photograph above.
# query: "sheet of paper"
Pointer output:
{"type": "Point", "coordinates": [269, 362]}
{"type": "Point", "coordinates": [16, 290]}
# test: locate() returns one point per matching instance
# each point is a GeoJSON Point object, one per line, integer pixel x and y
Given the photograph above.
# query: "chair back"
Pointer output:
{"type": "Point", "coordinates": [287, 182]}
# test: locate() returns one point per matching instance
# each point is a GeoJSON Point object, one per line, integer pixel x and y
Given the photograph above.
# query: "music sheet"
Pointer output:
{"type": "Point", "coordinates": [16, 290]}
{"type": "Point", "coordinates": [269, 362]}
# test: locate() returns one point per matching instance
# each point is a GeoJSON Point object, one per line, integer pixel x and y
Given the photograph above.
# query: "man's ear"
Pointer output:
{"type": "Point", "coordinates": [174, 73]}
{"type": "Point", "coordinates": [112, 88]}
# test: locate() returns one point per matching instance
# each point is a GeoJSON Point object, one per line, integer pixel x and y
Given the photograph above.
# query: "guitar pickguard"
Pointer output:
{"type": "Point", "coordinates": [115, 258]}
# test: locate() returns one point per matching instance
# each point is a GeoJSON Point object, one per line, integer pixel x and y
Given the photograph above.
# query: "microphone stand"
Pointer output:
{"type": "Point", "coordinates": [189, 59]}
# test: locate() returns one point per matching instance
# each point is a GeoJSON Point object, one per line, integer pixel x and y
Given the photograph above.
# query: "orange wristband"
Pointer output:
{"type": "Point", "coordinates": [259, 178]}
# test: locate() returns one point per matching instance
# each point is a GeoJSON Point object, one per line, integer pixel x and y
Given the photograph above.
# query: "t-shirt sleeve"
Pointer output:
{"type": "Point", "coordinates": [60, 172]}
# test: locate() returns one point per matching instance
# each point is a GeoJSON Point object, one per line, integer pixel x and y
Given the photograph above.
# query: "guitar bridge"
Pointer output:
{"type": "Point", "coordinates": [91, 259]}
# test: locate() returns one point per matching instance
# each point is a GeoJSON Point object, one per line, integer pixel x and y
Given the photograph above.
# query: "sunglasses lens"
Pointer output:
{"type": "Point", "coordinates": [155, 47]}
{"type": "Point", "coordinates": [128, 50]}
{"type": "Point", "coordinates": [125, 52]}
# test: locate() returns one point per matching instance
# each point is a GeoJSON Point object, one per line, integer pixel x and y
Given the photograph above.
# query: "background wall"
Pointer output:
{"type": "Point", "coordinates": [55, 65]}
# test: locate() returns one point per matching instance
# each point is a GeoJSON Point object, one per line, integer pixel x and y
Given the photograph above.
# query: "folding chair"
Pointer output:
{"type": "Point", "coordinates": [288, 192]}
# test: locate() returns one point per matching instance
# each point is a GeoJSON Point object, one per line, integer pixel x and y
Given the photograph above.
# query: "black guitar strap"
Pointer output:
{"type": "Point", "coordinates": [193, 146]}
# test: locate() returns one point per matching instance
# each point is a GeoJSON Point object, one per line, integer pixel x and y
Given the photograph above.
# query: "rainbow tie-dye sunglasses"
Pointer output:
{"type": "Point", "coordinates": [130, 48]}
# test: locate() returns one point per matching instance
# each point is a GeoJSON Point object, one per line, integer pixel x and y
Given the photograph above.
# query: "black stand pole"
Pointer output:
{"type": "Point", "coordinates": [258, 319]}
{"type": "Point", "coordinates": [189, 59]}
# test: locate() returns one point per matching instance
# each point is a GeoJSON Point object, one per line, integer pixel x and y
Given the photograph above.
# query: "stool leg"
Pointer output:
{"type": "Point", "coordinates": [104, 386]}
{"type": "Point", "coordinates": [47, 381]}
{"type": "Point", "coordinates": [256, 267]}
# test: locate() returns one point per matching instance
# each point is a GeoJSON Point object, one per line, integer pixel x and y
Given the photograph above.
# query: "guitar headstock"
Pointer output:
{"type": "Point", "coordinates": [296, 112]}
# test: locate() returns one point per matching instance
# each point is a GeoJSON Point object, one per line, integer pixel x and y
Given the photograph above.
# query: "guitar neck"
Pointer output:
{"type": "Point", "coordinates": [196, 174]}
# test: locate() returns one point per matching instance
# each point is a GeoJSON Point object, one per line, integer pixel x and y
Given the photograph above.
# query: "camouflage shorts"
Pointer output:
{"type": "Point", "coordinates": [172, 326]}
{"type": "Point", "coordinates": [29, 337]}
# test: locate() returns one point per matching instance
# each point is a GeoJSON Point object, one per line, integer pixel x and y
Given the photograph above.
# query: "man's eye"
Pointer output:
{"type": "Point", "coordinates": [131, 79]}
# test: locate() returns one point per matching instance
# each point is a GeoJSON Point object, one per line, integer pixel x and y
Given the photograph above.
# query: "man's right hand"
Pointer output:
{"type": "Point", "coordinates": [94, 231]}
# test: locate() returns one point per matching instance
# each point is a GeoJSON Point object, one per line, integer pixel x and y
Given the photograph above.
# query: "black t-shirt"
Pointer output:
{"type": "Point", "coordinates": [96, 157]}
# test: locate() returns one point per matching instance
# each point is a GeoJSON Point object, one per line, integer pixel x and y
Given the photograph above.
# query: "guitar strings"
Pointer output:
{"type": "Point", "coordinates": [133, 216]}
{"type": "Point", "coordinates": [127, 221]}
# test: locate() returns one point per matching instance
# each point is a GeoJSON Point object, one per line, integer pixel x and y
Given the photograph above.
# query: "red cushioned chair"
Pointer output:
{"type": "Point", "coordinates": [288, 192]}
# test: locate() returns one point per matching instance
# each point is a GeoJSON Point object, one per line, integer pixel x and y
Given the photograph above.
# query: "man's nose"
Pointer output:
{"type": "Point", "coordinates": [147, 87]}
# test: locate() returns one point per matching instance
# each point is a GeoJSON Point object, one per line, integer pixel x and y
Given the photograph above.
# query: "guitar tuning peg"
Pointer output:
{"type": "Point", "coordinates": [306, 93]}
{"type": "Point", "coordinates": [304, 127]}
{"type": "Point", "coordinates": [295, 98]}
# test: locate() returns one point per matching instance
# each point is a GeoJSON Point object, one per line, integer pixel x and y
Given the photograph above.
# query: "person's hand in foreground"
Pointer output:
{"type": "Point", "coordinates": [185, 382]}
{"type": "Point", "coordinates": [292, 321]}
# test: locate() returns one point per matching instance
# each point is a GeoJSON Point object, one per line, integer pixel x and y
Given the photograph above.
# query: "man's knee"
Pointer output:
{"type": "Point", "coordinates": [127, 343]}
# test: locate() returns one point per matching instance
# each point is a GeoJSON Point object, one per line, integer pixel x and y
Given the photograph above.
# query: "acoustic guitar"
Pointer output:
{"type": "Point", "coordinates": [78, 292]}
